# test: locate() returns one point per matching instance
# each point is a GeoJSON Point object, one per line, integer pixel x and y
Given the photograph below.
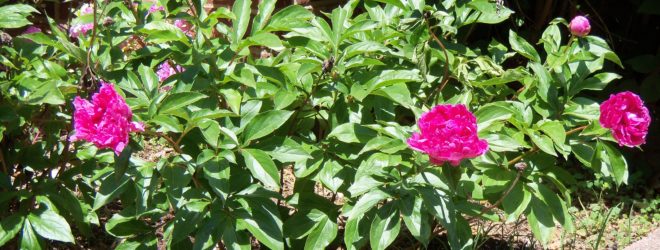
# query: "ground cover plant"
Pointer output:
{"type": "Point", "coordinates": [158, 124]}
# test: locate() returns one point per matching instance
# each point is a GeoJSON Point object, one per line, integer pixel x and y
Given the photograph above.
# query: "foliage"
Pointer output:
{"type": "Point", "coordinates": [333, 100]}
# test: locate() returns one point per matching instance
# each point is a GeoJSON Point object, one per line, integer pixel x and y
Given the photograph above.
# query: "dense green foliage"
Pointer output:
{"type": "Point", "coordinates": [328, 105]}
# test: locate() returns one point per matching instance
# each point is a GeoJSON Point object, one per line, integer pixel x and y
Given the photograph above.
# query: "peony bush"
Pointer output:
{"type": "Point", "coordinates": [158, 124]}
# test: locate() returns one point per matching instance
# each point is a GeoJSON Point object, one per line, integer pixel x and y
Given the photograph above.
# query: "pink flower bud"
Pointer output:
{"type": "Point", "coordinates": [580, 26]}
{"type": "Point", "coordinates": [448, 133]}
{"type": "Point", "coordinates": [627, 117]}
{"type": "Point", "coordinates": [106, 121]}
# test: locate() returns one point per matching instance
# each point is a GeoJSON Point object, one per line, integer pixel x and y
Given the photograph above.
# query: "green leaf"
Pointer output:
{"type": "Point", "coordinates": [51, 225]}
{"type": "Point", "coordinates": [234, 239]}
{"type": "Point", "coordinates": [330, 175]}
{"type": "Point", "coordinates": [557, 207]}
{"type": "Point", "coordinates": [443, 210]}
{"type": "Point", "coordinates": [217, 173]}
{"type": "Point", "coordinates": [262, 167]}
{"type": "Point", "coordinates": [363, 48]}
{"type": "Point", "coordinates": [544, 81]}
{"type": "Point", "coordinates": [385, 226]}
{"type": "Point", "coordinates": [322, 235]}
{"type": "Point", "coordinates": [555, 130]}
{"type": "Point", "coordinates": [111, 188]}
{"type": "Point", "coordinates": [120, 226]}
{"type": "Point", "coordinates": [241, 10]}
{"type": "Point", "coordinates": [211, 131]}
{"type": "Point", "coordinates": [584, 152]}
{"type": "Point", "coordinates": [302, 223]}
{"type": "Point", "coordinates": [265, 123]}
{"type": "Point", "coordinates": [357, 228]}
{"type": "Point", "coordinates": [9, 227]}
{"type": "Point", "coordinates": [499, 142]}
{"type": "Point", "coordinates": [540, 221]}
{"type": "Point", "coordinates": [610, 158]}
{"type": "Point", "coordinates": [543, 142]}
{"type": "Point", "coordinates": [516, 202]}
{"type": "Point", "coordinates": [263, 222]}
{"type": "Point", "coordinates": [490, 12]}
{"type": "Point", "coordinates": [161, 32]}
{"type": "Point", "coordinates": [149, 79]}
{"type": "Point", "coordinates": [521, 46]}
{"type": "Point", "coordinates": [29, 239]}
{"type": "Point", "coordinates": [210, 232]}
{"type": "Point", "coordinates": [264, 39]}
{"type": "Point", "coordinates": [266, 8]}
{"type": "Point", "coordinates": [415, 218]}
{"type": "Point", "coordinates": [390, 77]}
{"type": "Point", "coordinates": [510, 75]}
{"type": "Point", "coordinates": [352, 133]}
{"type": "Point", "coordinates": [179, 100]}
{"type": "Point", "coordinates": [289, 17]}
{"type": "Point", "coordinates": [366, 202]}
{"type": "Point", "coordinates": [493, 112]}
{"type": "Point", "coordinates": [597, 82]}
{"type": "Point", "coordinates": [15, 15]}
{"type": "Point", "coordinates": [122, 161]}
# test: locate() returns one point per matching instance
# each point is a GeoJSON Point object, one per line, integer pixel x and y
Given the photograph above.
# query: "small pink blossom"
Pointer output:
{"type": "Point", "coordinates": [184, 26]}
{"type": "Point", "coordinates": [155, 8]}
{"type": "Point", "coordinates": [627, 117]}
{"type": "Point", "coordinates": [77, 30]}
{"type": "Point", "coordinates": [448, 133]}
{"type": "Point", "coordinates": [106, 121]}
{"type": "Point", "coordinates": [580, 26]}
{"type": "Point", "coordinates": [86, 9]}
{"type": "Point", "coordinates": [165, 70]}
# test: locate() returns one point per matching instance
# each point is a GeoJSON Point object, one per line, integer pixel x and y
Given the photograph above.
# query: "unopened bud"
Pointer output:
{"type": "Point", "coordinates": [5, 39]}
{"type": "Point", "coordinates": [580, 26]}
{"type": "Point", "coordinates": [107, 21]}
{"type": "Point", "coordinates": [520, 166]}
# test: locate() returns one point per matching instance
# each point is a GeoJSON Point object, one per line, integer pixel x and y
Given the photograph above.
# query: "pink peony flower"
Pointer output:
{"type": "Point", "coordinates": [165, 70]}
{"type": "Point", "coordinates": [106, 121]}
{"type": "Point", "coordinates": [627, 117]}
{"type": "Point", "coordinates": [448, 133]}
{"type": "Point", "coordinates": [580, 26]}
{"type": "Point", "coordinates": [184, 26]}
{"type": "Point", "coordinates": [31, 29]}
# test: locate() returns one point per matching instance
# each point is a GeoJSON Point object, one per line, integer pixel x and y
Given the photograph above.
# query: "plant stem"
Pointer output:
{"type": "Point", "coordinates": [501, 199]}
{"type": "Point", "coordinates": [445, 77]}
{"type": "Point", "coordinates": [4, 165]}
